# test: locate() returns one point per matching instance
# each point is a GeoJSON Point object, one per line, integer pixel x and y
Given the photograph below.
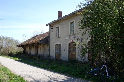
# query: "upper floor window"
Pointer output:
{"type": "Point", "coordinates": [57, 32]}
{"type": "Point", "coordinates": [72, 27]}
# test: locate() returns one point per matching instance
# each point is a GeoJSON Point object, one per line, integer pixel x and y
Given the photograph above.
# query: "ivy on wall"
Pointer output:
{"type": "Point", "coordinates": [104, 22]}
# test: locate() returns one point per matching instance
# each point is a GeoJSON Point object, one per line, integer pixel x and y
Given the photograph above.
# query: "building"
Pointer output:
{"type": "Point", "coordinates": [64, 41]}
{"type": "Point", "coordinates": [66, 37]}
{"type": "Point", "coordinates": [37, 45]}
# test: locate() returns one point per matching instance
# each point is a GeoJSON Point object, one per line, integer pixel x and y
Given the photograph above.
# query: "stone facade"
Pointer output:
{"type": "Point", "coordinates": [43, 50]}
{"type": "Point", "coordinates": [65, 38]}
{"type": "Point", "coordinates": [40, 50]}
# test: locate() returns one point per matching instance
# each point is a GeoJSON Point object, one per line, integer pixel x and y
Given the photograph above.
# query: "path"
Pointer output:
{"type": "Point", "coordinates": [34, 74]}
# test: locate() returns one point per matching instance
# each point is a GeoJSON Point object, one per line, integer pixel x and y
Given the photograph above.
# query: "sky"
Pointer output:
{"type": "Point", "coordinates": [22, 19]}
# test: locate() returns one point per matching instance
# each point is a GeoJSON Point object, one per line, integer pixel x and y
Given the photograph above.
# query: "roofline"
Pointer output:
{"type": "Point", "coordinates": [66, 16]}
{"type": "Point", "coordinates": [20, 45]}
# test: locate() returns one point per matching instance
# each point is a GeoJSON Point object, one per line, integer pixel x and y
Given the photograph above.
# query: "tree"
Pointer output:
{"type": "Point", "coordinates": [8, 45]}
{"type": "Point", "coordinates": [104, 21]}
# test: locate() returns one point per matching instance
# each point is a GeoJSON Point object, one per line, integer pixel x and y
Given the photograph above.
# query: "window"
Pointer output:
{"type": "Point", "coordinates": [72, 28]}
{"type": "Point", "coordinates": [57, 32]}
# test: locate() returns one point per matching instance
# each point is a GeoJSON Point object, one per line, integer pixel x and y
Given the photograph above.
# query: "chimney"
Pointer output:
{"type": "Point", "coordinates": [59, 14]}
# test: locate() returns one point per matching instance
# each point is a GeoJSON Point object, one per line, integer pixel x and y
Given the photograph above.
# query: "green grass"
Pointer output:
{"type": "Point", "coordinates": [7, 76]}
{"type": "Point", "coordinates": [74, 69]}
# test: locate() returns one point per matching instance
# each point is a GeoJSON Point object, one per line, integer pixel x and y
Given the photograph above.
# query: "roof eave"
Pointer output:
{"type": "Point", "coordinates": [64, 17]}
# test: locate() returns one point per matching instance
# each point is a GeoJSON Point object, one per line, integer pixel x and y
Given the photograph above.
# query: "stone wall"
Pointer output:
{"type": "Point", "coordinates": [40, 50]}
{"type": "Point", "coordinates": [65, 38]}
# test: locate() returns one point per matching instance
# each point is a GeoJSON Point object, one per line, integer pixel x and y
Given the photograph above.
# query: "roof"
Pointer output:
{"type": "Point", "coordinates": [38, 39]}
{"type": "Point", "coordinates": [66, 16]}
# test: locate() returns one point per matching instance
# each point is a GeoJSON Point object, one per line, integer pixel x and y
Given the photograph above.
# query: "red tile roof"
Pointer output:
{"type": "Point", "coordinates": [36, 39]}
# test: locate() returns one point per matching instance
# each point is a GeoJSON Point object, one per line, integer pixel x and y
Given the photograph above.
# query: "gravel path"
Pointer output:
{"type": "Point", "coordinates": [34, 74]}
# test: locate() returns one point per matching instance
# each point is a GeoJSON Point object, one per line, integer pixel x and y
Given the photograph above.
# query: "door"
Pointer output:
{"type": "Point", "coordinates": [72, 51]}
{"type": "Point", "coordinates": [36, 49]}
{"type": "Point", "coordinates": [57, 51]}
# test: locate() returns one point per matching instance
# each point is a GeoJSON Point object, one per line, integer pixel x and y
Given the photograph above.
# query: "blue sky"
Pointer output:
{"type": "Point", "coordinates": [21, 19]}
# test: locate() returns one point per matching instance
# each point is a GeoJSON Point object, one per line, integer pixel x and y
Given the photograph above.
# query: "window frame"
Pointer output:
{"type": "Point", "coordinates": [58, 32]}
{"type": "Point", "coordinates": [73, 32]}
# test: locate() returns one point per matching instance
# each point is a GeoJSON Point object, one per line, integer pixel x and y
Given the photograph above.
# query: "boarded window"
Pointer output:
{"type": "Point", "coordinates": [58, 51]}
{"type": "Point", "coordinates": [57, 32]}
{"type": "Point", "coordinates": [72, 28]}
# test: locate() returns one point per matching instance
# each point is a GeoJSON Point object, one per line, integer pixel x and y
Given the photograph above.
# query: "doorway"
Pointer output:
{"type": "Point", "coordinates": [72, 51]}
{"type": "Point", "coordinates": [57, 51]}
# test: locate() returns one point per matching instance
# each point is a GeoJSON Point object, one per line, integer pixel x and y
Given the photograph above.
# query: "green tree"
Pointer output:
{"type": "Point", "coordinates": [104, 21]}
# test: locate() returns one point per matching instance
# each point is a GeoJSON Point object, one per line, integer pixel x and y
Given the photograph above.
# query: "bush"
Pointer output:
{"type": "Point", "coordinates": [103, 20]}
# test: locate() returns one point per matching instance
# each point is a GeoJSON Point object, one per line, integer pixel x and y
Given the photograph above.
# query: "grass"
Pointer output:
{"type": "Point", "coordinates": [7, 76]}
{"type": "Point", "coordinates": [74, 69]}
